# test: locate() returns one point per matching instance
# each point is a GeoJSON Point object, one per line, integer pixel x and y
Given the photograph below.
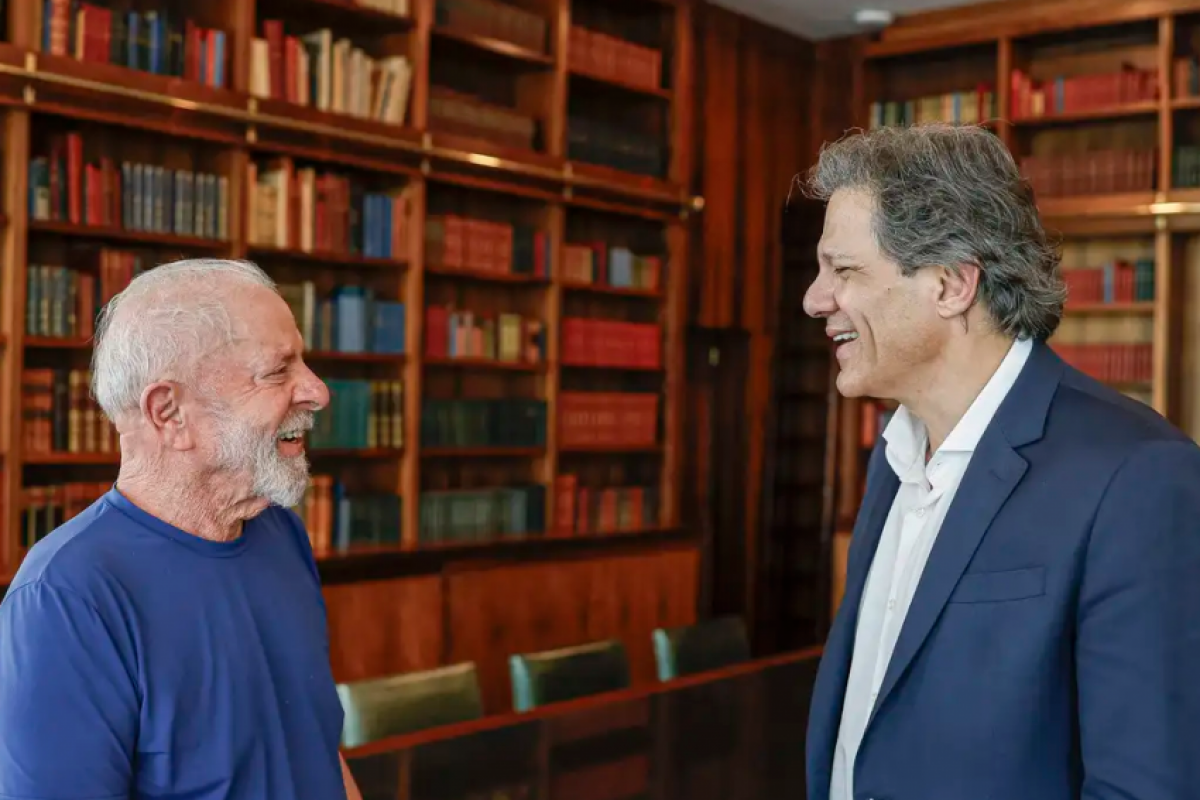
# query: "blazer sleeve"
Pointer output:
{"type": "Point", "coordinates": [1138, 631]}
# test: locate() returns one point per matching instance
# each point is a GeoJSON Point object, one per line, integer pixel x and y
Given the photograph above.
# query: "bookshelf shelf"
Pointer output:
{"type": "Point", "coordinates": [453, 273]}
{"type": "Point", "coordinates": [1131, 307]}
{"type": "Point", "coordinates": [68, 459]}
{"type": "Point", "coordinates": [482, 452]}
{"type": "Point", "coordinates": [594, 80]}
{"type": "Point", "coordinates": [617, 291]}
{"type": "Point", "coordinates": [1130, 110]}
{"type": "Point", "coordinates": [496, 47]}
{"type": "Point", "coordinates": [325, 258]}
{"type": "Point", "coordinates": [483, 363]}
{"type": "Point", "coordinates": [345, 15]}
{"type": "Point", "coordinates": [359, 358]}
{"type": "Point", "coordinates": [111, 234]}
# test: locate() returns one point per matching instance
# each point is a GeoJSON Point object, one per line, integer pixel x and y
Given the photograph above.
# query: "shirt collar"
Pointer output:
{"type": "Point", "coordinates": [906, 436]}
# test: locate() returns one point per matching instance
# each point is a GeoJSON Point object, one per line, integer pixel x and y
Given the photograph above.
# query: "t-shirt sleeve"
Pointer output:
{"type": "Point", "coordinates": [68, 702]}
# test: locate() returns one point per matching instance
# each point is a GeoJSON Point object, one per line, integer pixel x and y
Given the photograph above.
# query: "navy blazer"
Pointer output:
{"type": "Point", "coordinates": [1052, 649]}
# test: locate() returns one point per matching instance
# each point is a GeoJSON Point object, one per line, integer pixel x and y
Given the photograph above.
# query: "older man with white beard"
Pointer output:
{"type": "Point", "coordinates": [170, 641]}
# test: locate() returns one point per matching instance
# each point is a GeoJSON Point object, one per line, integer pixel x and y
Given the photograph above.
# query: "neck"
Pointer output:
{"type": "Point", "coordinates": [948, 386]}
{"type": "Point", "coordinates": [203, 505]}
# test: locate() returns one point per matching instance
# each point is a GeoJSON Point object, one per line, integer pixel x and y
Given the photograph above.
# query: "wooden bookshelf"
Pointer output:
{"type": "Point", "coordinates": [516, 166]}
{"type": "Point", "coordinates": [1100, 107]}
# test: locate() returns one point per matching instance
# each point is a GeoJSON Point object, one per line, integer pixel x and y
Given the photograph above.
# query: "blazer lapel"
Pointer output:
{"type": "Point", "coordinates": [989, 480]}
{"type": "Point", "coordinates": [994, 472]}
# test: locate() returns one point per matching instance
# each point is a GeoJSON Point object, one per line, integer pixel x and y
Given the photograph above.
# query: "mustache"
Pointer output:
{"type": "Point", "coordinates": [297, 422]}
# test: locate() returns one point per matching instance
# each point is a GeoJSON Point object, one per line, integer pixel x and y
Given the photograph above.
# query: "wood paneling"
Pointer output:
{"type": "Point", "coordinates": [487, 612]}
{"type": "Point", "coordinates": [382, 627]}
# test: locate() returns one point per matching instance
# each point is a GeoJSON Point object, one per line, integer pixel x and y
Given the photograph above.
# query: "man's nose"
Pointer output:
{"type": "Point", "coordinates": [818, 300]}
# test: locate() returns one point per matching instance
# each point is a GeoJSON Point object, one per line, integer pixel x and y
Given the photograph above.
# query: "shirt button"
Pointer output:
{"type": "Point", "coordinates": [920, 512]}
{"type": "Point", "coordinates": [891, 604]}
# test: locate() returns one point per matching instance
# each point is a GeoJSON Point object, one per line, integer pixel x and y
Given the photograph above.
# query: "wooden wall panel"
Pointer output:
{"type": "Point", "coordinates": [494, 612]}
{"type": "Point", "coordinates": [754, 95]}
{"type": "Point", "coordinates": [383, 627]}
{"type": "Point", "coordinates": [633, 595]}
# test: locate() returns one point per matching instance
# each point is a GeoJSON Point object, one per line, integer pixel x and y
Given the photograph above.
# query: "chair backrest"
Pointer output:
{"type": "Point", "coordinates": [707, 645]}
{"type": "Point", "coordinates": [411, 701]}
{"type": "Point", "coordinates": [553, 676]}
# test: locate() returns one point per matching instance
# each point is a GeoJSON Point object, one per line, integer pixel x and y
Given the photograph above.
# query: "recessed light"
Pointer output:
{"type": "Point", "coordinates": [874, 17]}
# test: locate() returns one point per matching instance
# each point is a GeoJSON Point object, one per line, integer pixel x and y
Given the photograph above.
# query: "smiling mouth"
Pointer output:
{"type": "Point", "coordinates": [843, 338]}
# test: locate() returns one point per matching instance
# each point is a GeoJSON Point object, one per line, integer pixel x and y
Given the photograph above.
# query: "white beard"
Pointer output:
{"type": "Point", "coordinates": [244, 448]}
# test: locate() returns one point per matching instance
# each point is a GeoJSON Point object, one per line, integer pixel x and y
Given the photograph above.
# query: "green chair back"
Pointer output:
{"type": "Point", "coordinates": [708, 645]}
{"type": "Point", "coordinates": [412, 701]}
{"type": "Point", "coordinates": [553, 676]}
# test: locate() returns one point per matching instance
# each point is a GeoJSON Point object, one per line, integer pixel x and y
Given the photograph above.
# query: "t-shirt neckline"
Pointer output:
{"type": "Point", "coordinates": [203, 546]}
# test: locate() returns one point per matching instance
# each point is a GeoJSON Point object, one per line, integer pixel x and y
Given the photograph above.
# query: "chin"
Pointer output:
{"type": "Point", "coordinates": [850, 384]}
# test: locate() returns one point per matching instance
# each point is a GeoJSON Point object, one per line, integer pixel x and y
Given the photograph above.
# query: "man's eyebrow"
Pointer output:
{"type": "Point", "coordinates": [835, 255]}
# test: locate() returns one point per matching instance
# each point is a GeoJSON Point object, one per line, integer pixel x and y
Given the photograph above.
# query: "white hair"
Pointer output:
{"type": "Point", "coordinates": [162, 324]}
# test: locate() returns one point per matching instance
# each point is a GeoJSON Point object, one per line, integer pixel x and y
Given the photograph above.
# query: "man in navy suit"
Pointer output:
{"type": "Point", "coordinates": [1021, 618]}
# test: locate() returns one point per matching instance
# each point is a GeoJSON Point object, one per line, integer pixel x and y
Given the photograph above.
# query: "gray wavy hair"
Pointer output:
{"type": "Point", "coordinates": [948, 195]}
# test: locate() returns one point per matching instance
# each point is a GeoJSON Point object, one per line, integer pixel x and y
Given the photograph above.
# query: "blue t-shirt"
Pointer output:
{"type": "Point", "coordinates": [137, 660]}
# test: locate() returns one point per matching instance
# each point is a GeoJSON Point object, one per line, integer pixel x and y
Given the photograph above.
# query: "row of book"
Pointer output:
{"type": "Point", "coordinates": [44, 507]}
{"type": "Point", "coordinates": [362, 414]}
{"type": "Point", "coordinates": [154, 41]}
{"type": "Point", "coordinates": [506, 337]}
{"type": "Point", "coordinates": [499, 422]}
{"type": "Point", "coordinates": [338, 520]}
{"type": "Point", "coordinates": [1032, 98]}
{"type": "Point", "coordinates": [493, 20]}
{"type": "Point", "coordinates": [307, 209]}
{"type": "Point", "coordinates": [1112, 362]}
{"type": "Point", "coordinates": [349, 319]}
{"type": "Point", "coordinates": [968, 107]}
{"type": "Point", "coordinates": [1118, 281]}
{"type": "Point", "coordinates": [597, 264]}
{"type": "Point", "coordinates": [466, 516]}
{"type": "Point", "coordinates": [604, 56]}
{"type": "Point", "coordinates": [598, 140]}
{"type": "Point", "coordinates": [59, 414]}
{"type": "Point", "coordinates": [133, 196]}
{"type": "Point", "coordinates": [456, 242]}
{"type": "Point", "coordinates": [1111, 171]}
{"type": "Point", "coordinates": [580, 510]}
{"type": "Point", "coordinates": [459, 113]}
{"type": "Point", "coordinates": [1185, 167]}
{"type": "Point", "coordinates": [329, 74]}
{"type": "Point", "coordinates": [1187, 76]}
{"type": "Point", "coordinates": [63, 301]}
{"type": "Point", "coordinates": [619, 419]}
{"type": "Point", "coordinates": [611, 343]}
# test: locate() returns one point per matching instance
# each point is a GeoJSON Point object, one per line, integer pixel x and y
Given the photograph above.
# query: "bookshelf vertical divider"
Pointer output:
{"type": "Point", "coordinates": [1163, 286]}
{"type": "Point", "coordinates": [15, 177]}
{"type": "Point", "coordinates": [414, 299]}
{"type": "Point", "coordinates": [551, 378]}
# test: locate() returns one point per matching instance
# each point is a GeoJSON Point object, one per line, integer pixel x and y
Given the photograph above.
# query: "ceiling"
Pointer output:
{"type": "Point", "coordinates": [822, 19]}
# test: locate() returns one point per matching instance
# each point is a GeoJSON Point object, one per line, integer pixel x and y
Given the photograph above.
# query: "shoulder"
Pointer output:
{"type": "Point", "coordinates": [78, 555]}
{"type": "Point", "coordinates": [1097, 421]}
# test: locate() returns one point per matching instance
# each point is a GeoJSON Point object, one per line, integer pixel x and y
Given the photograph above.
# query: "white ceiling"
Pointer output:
{"type": "Point", "coordinates": [823, 19]}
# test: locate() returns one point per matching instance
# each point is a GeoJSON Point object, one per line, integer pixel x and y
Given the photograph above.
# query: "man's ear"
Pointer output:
{"type": "Point", "coordinates": [958, 288]}
{"type": "Point", "coordinates": [163, 410]}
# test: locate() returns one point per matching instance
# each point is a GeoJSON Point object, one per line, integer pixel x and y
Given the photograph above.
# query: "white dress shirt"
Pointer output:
{"type": "Point", "coordinates": [924, 495]}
